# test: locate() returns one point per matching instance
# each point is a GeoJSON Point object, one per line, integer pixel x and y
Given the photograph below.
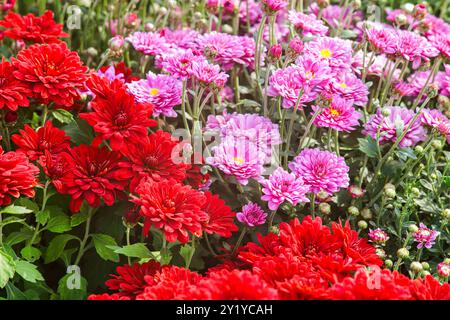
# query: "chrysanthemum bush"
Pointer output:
{"type": "Point", "coordinates": [224, 149]}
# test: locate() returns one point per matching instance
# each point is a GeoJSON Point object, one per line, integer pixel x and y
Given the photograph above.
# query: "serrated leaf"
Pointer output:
{"type": "Point", "coordinates": [63, 116]}
{"type": "Point", "coordinates": [136, 250]}
{"type": "Point", "coordinates": [12, 209]}
{"type": "Point", "coordinates": [28, 271]}
{"type": "Point", "coordinates": [25, 202]}
{"type": "Point", "coordinates": [13, 293]}
{"type": "Point", "coordinates": [56, 247]}
{"type": "Point", "coordinates": [406, 153]}
{"type": "Point", "coordinates": [59, 224]}
{"type": "Point", "coordinates": [101, 241]}
{"type": "Point", "coordinates": [369, 146]}
{"type": "Point", "coordinates": [18, 237]}
{"type": "Point", "coordinates": [30, 253]}
{"type": "Point", "coordinates": [7, 268]}
{"type": "Point", "coordinates": [72, 287]}
{"type": "Point", "coordinates": [43, 216]}
{"type": "Point", "coordinates": [78, 219]}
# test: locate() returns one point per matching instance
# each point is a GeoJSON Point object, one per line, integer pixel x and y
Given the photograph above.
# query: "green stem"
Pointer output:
{"type": "Point", "coordinates": [188, 262]}
{"type": "Point", "coordinates": [239, 241]}
{"type": "Point", "coordinates": [86, 236]}
{"type": "Point", "coordinates": [271, 217]}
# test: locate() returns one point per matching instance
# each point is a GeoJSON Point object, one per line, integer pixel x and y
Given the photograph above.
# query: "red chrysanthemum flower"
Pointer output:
{"type": "Point", "coordinates": [233, 285]}
{"type": "Point", "coordinates": [35, 143]}
{"type": "Point", "coordinates": [120, 119]}
{"type": "Point", "coordinates": [52, 71]}
{"type": "Point", "coordinates": [126, 74]}
{"type": "Point", "coordinates": [131, 279]}
{"type": "Point", "coordinates": [33, 29]}
{"type": "Point", "coordinates": [429, 288]}
{"type": "Point", "coordinates": [17, 176]}
{"type": "Point", "coordinates": [56, 166]}
{"type": "Point", "coordinates": [174, 208]}
{"type": "Point", "coordinates": [97, 174]}
{"type": "Point", "coordinates": [152, 159]}
{"type": "Point", "coordinates": [220, 217]}
{"type": "Point", "coordinates": [106, 296]}
{"type": "Point", "coordinates": [13, 93]}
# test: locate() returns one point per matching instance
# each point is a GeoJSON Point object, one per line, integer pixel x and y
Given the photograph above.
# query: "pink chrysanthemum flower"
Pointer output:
{"type": "Point", "coordinates": [227, 50]}
{"type": "Point", "coordinates": [442, 43]}
{"type": "Point", "coordinates": [443, 269]}
{"type": "Point", "coordinates": [425, 236]}
{"type": "Point", "coordinates": [382, 39]}
{"type": "Point", "coordinates": [238, 158]}
{"type": "Point", "coordinates": [399, 119]}
{"type": "Point", "coordinates": [335, 15]}
{"type": "Point", "coordinates": [283, 186]}
{"type": "Point", "coordinates": [444, 129]}
{"type": "Point", "coordinates": [273, 6]}
{"type": "Point", "coordinates": [443, 78]}
{"type": "Point", "coordinates": [208, 74]}
{"type": "Point", "coordinates": [433, 117]}
{"type": "Point", "coordinates": [183, 38]}
{"type": "Point", "coordinates": [349, 87]}
{"type": "Point", "coordinates": [252, 215]}
{"type": "Point", "coordinates": [335, 51]}
{"type": "Point", "coordinates": [149, 43]}
{"type": "Point", "coordinates": [418, 80]}
{"type": "Point", "coordinates": [315, 74]}
{"type": "Point", "coordinates": [179, 64]}
{"type": "Point", "coordinates": [307, 25]}
{"type": "Point", "coordinates": [378, 236]}
{"type": "Point", "coordinates": [413, 47]}
{"type": "Point", "coordinates": [340, 115]}
{"type": "Point", "coordinates": [250, 10]}
{"type": "Point", "coordinates": [321, 170]}
{"type": "Point", "coordinates": [163, 91]}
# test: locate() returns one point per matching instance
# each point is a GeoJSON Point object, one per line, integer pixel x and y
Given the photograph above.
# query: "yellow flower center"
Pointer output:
{"type": "Point", "coordinates": [238, 160]}
{"type": "Point", "coordinates": [325, 53]}
{"type": "Point", "coordinates": [153, 91]}
{"type": "Point", "coordinates": [310, 75]}
{"type": "Point", "coordinates": [334, 112]}
{"type": "Point", "coordinates": [343, 86]}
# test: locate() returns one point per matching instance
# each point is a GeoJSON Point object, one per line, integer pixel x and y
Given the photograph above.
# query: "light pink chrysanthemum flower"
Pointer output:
{"type": "Point", "coordinates": [336, 15]}
{"type": "Point", "coordinates": [425, 236]}
{"type": "Point", "coordinates": [163, 91]}
{"type": "Point", "coordinates": [321, 170]}
{"type": "Point", "coordinates": [283, 186]}
{"type": "Point", "coordinates": [272, 6]}
{"type": "Point", "coordinates": [443, 269]}
{"type": "Point", "coordinates": [442, 43]}
{"type": "Point", "coordinates": [179, 64]}
{"type": "Point", "coordinates": [307, 25]}
{"type": "Point", "coordinates": [182, 38]}
{"type": "Point", "coordinates": [208, 74]}
{"type": "Point", "coordinates": [435, 26]}
{"type": "Point", "coordinates": [379, 67]}
{"type": "Point", "coordinates": [443, 78]}
{"type": "Point", "coordinates": [250, 10]}
{"type": "Point", "coordinates": [340, 115]}
{"type": "Point", "coordinates": [378, 236]}
{"type": "Point", "coordinates": [433, 117]}
{"type": "Point", "coordinates": [349, 87]}
{"type": "Point", "coordinates": [238, 158]}
{"type": "Point", "coordinates": [337, 52]}
{"type": "Point", "coordinates": [444, 129]}
{"type": "Point", "coordinates": [413, 47]}
{"type": "Point", "coordinates": [382, 39]}
{"type": "Point", "coordinates": [149, 43]}
{"type": "Point", "coordinates": [315, 73]}
{"type": "Point", "coordinates": [398, 120]}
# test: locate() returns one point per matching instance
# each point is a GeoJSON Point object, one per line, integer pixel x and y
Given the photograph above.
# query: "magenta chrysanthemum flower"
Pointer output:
{"type": "Point", "coordinates": [283, 186]}
{"type": "Point", "coordinates": [425, 237]}
{"type": "Point", "coordinates": [398, 119]}
{"type": "Point", "coordinates": [250, 10]}
{"type": "Point", "coordinates": [183, 38]}
{"type": "Point", "coordinates": [315, 74]}
{"type": "Point", "coordinates": [272, 6]}
{"type": "Point", "coordinates": [418, 80]}
{"type": "Point", "coordinates": [179, 64]}
{"type": "Point", "coordinates": [378, 236]}
{"type": "Point", "coordinates": [433, 117]}
{"type": "Point", "coordinates": [163, 91]}
{"type": "Point", "coordinates": [442, 43]}
{"type": "Point", "coordinates": [413, 47]}
{"type": "Point", "coordinates": [252, 215]}
{"type": "Point", "coordinates": [208, 74]}
{"type": "Point", "coordinates": [340, 115]}
{"type": "Point", "coordinates": [227, 50]}
{"type": "Point", "coordinates": [349, 87]}
{"type": "Point", "coordinates": [238, 158]}
{"type": "Point", "coordinates": [307, 25]}
{"type": "Point", "coordinates": [443, 78]}
{"type": "Point", "coordinates": [337, 52]}
{"type": "Point", "coordinates": [149, 43]}
{"type": "Point", "coordinates": [321, 170]}
{"type": "Point", "coordinates": [443, 269]}
{"type": "Point", "coordinates": [382, 39]}
{"type": "Point", "coordinates": [335, 15]}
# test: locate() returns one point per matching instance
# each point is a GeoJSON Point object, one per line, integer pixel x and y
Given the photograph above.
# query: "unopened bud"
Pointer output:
{"type": "Point", "coordinates": [354, 211]}
{"type": "Point", "coordinates": [362, 224]}
{"type": "Point", "coordinates": [324, 208]}
{"type": "Point", "coordinates": [420, 11]}
{"type": "Point", "coordinates": [388, 263]}
{"type": "Point", "coordinates": [436, 144]}
{"type": "Point", "coordinates": [390, 193]}
{"type": "Point", "coordinates": [413, 228]}
{"type": "Point", "coordinates": [426, 266]}
{"type": "Point", "coordinates": [445, 214]}
{"type": "Point", "coordinates": [149, 27]}
{"type": "Point", "coordinates": [275, 52]}
{"type": "Point", "coordinates": [116, 43]}
{"type": "Point", "coordinates": [401, 20]}
{"type": "Point", "coordinates": [356, 4]}
{"type": "Point", "coordinates": [418, 150]}
{"type": "Point", "coordinates": [323, 3]}
{"type": "Point", "coordinates": [432, 90]}
{"type": "Point", "coordinates": [366, 213]}
{"type": "Point", "coordinates": [416, 267]}
{"type": "Point", "coordinates": [403, 253]}
{"type": "Point", "coordinates": [385, 112]}
{"type": "Point", "coordinates": [92, 52]}
{"type": "Point", "coordinates": [415, 192]}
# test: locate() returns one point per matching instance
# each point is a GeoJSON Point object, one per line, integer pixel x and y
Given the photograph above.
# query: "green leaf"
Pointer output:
{"type": "Point", "coordinates": [56, 247]}
{"type": "Point", "coordinates": [72, 287]}
{"type": "Point", "coordinates": [136, 250]}
{"type": "Point", "coordinates": [13, 293]}
{"type": "Point", "coordinates": [18, 237]}
{"type": "Point", "coordinates": [12, 209]}
{"type": "Point", "coordinates": [7, 268]}
{"type": "Point", "coordinates": [166, 256]}
{"type": "Point", "coordinates": [30, 253]}
{"type": "Point", "coordinates": [447, 180]}
{"type": "Point", "coordinates": [43, 216]}
{"type": "Point", "coordinates": [28, 271]}
{"type": "Point", "coordinates": [79, 131]}
{"type": "Point", "coordinates": [406, 153]}
{"type": "Point", "coordinates": [78, 219]}
{"type": "Point", "coordinates": [25, 202]}
{"type": "Point", "coordinates": [59, 224]}
{"type": "Point", "coordinates": [186, 251]}
{"type": "Point", "coordinates": [62, 115]}
{"type": "Point", "coordinates": [369, 146]}
{"type": "Point", "coordinates": [101, 241]}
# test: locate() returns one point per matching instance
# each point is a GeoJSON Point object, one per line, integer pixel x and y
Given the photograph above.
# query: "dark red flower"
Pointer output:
{"type": "Point", "coordinates": [131, 279]}
{"type": "Point", "coordinates": [13, 93]}
{"type": "Point", "coordinates": [120, 119]}
{"type": "Point", "coordinates": [153, 159]}
{"type": "Point", "coordinates": [102, 87]}
{"type": "Point", "coordinates": [52, 71]}
{"type": "Point", "coordinates": [220, 217]}
{"type": "Point", "coordinates": [174, 208]}
{"type": "Point", "coordinates": [429, 289]}
{"type": "Point", "coordinates": [97, 174]}
{"type": "Point", "coordinates": [35, 143]}
{"type": "Point", "coordinates": [56, 167]}
{"type": "Point", "coordinates": [33, 29]}
{"type": "Point", "coordinates": [17, 176]}
{"type": "Point", "coordinates": [233, 285]}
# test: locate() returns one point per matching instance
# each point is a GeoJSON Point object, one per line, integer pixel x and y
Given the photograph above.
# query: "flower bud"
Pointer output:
{"type": "Point", "coordinates": [356, 192]}
{"type": "Point", "coordinates": [445, 214]}
{"type": "Point", "coordinates": [443, 269]}
{"type": "Point", "coordinates": [275, 230]}
{"type": "Point", "coordinates": [420, 11]}
{"type": "Point", "coordinates": [401, 20]}
{"type": "Point", "coordinates": [415, 192]}
{"type": "Point", "coordinates": [416, 267]}
{"type": "Point", "coordinates": [324, 208]}
{"type": "Point", "coordinates": [418, 150]}
{"type": "Point", "coordinates": [92, 52]}
{"type": "Point", "coordinates": [403, 253]}
{"type": "Point", "coordinates": [323, 3]}
{"type": "Point", "coordinates": [426, 273]}
{"type": "Point", "coordinates": [11, 116]}
{"type": "Point", "coordinates": [116, 43]}
{"type": "Point", "coordinates": [322, 196]}
{"type": "Point", "coordinates": [433, 176]}
{"type": "Point", "coordinates": [149, 27]}
{"type": "Point", "coordinates": [366, 213]}
{"type": "Point", "coordinates": [226, 28]}
{"type": "Point", "coordinates": [390, 193]}
{"type": "Point", "coordinates": [381, 253]}
{"type": "Point", "coordinates": [425, 265]}
{"type": "Point", "coordinates": [275, 52]}
{"type": "Point", "coordinates": [436, 144]}
{"type": "Point", "coordinates": [432, 90]}
{"type": "Point", "coordinates": [362, 224]}
{"type": "Point", "coordinates": [388, 263]}
{"type": "Point", "coordinates": [354, 211]}
{"type": "Point", "coordinates": [385, 112]}
{"type": "Point", "coordinates": [413, 228]}
{"type": "Point", "coordinates": [296, 46]}
{"type": "Point", "coordinates": [356, 4]}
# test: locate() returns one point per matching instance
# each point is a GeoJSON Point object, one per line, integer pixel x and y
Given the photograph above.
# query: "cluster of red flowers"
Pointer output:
{"type": "Point", "coordinates": [305, 261]}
